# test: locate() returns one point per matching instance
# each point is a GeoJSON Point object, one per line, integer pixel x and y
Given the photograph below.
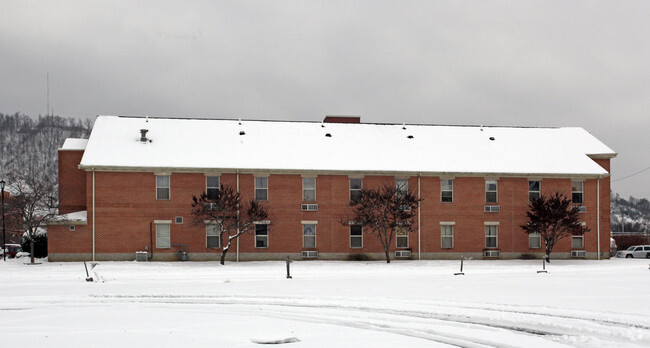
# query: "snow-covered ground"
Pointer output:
{"type": "Point", "coordinates": [327, 304]}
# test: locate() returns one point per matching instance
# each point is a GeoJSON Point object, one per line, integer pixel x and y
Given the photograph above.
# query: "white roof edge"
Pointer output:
{"type": "Point", "coordinates": [71, 144]}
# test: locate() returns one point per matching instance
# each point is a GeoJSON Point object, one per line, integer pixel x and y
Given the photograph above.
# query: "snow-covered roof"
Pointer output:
{"type": "Point", "coordinates": [74, 218]}
{"type": "Point", "coordinates": [74, 144]}
{"type": "Point", "coordinates": [202, 144]}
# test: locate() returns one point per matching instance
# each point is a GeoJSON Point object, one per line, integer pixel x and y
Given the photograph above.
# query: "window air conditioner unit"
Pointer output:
{"type": "Point", "coordinates": [582, 209]}
{"type": "Point", "coordinates": [402, 253]}
{"type": "Point", "coordinates": [211, 206]}
{"type": "Point", "coordinates": [491, 253]}
{"type": "Point", "coordinates": [141, 256]}
{"type": "Point", "coordinates": [310, 254]}
{"type": "Point", "coordinates": [309, 207]}
{"type": "Point", "coordinates": [492, 209]}
{"type": "Point", "coordinates": [578, 253]}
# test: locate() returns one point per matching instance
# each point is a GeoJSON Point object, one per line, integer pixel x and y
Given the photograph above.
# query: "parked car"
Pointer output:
{"type": "Point", "coordinates": [12, 250]}
{"type": "Point", "coordinates": [637, 251]}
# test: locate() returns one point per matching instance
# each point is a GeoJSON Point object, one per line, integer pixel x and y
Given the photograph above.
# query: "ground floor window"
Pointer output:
{"type": "Point", "coordinates": [447, 235]}
{"type": "Point", "coordinates": [261, 236]}
{"type": "Point", "coordinates": [402, 237]}
{"type": "Point", "coordinates": [309, 236]}
{"type": "Point", "coordinates": [578, 242]}
{"type": "Point", "coordinates": [163, 236]}
{"type": "Point", "coordinates": [491, 232]}
{"type": "Point", "coordinates": [212, 236]}
{"type": "Point", "coordinates": [356, 236]}
{"type": "Point", "coordinates": [534, 240]}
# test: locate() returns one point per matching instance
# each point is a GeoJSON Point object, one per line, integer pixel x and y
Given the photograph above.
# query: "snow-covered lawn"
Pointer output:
{"type": "Point", "coordinates": [327, 304]}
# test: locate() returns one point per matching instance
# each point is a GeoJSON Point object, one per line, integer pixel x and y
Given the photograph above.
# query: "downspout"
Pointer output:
{"type": "Point", "coordinates": [93, 214]}
{"type": "Point", "coordinates": [238, 216]}
{"type": "Point", "coordinates": [598, 214]}
{"type": "Point", "coordinates": [419, 223]}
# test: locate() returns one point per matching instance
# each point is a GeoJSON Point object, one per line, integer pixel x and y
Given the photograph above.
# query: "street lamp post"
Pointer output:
{"type": "Point", "coordinates": [4, 238]}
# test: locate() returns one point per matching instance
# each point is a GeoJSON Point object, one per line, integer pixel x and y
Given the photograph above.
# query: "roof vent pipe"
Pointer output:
{"type": "Point", "coordinates": [143, 135]}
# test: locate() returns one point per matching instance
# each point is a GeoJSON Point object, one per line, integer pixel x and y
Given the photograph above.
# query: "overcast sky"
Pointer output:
{"type": "Point", "coordinates": [519, 63]}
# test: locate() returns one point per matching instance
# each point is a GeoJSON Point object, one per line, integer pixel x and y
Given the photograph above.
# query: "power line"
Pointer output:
{"type": "Point", "coordinates": [631, 175]}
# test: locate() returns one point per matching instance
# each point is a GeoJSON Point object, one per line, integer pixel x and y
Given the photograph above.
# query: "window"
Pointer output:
{"type": "Point", "coordinates": [491, 232]}
{"type": "Point", "coordinates": [162, 186]}
{"type": "Point", "coordinates": [212, 184]}
{"type": "Point", "coordinates": [309, 189]}
{"type": "Point", "coordinates": [534, 240]}
{"type": "Point", "coordinates": [212, 236]}
{"type": "Point", "coordinates": [447, 233]}
{"type": "Point", "coordinates": [402, 186]}
{"type": "Point", "coordinates": [578, 237]}
{"type": "Point", "coordinates": [162, 236]}
{"type": "Point", "coordinates": [576, 192]}
{"type": "Point", "coordinates": [490, 191]}
{"type": "Point", "coordinates": [309, 236]}
{"type": "Point", "coordinates": [355, 189]}
{"type": "Point", "coordinates": [402, 237]}
{"type": "Point", "coordinates": [261, 188]}
{"type": "Point", "coordinates": [534, 191]}
{"type": "Point", "coordinates": [356, 236]}
{"type": "Point", "coordinates": [261, 236]}
{"type": "Point", "coordinates": [447, 191]}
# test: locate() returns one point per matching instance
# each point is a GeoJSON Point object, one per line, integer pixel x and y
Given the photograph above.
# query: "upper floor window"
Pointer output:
{"type": "Point", "coordinates": [447, 191]}
{"type": "Point", "coordinates": [577, 192]}
{"type": "Point", "coordinates": [261, 188]}
{"type": "Point", "coordinates": [212, 187]}
{"type": "Point", "coordinates": [490, 191]}
{"type": "Point", "coordinates": [355, 189]}
{"type": "Point", "coordinates": [402, 186]}
{"type": "Point", "coordinates": [162, 186]}
{"type": "Point", "coordinates": [308, 189]}
{"type": "Point", "coordinates": [534, 191]}
{"type": "Point", "coordinates": [309, 236]}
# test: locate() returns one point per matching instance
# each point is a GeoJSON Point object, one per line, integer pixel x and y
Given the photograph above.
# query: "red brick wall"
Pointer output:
{"type": "Point", "coordinates": [126, 206]}
{"type": "Point", "coordinates": [72, 182]}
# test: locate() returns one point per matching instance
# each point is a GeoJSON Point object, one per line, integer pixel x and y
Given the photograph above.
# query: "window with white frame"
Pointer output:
{"type": "Point", "coordinates": [162, 187]}
{"type": "Point", "coordinates": [356, 185]}
{"type": "Point", "coordinates": [534, 240]}
{"type": "Point", "coordinates": [309, 189]}
{"type": "Point", "coordinates": [447, 236]}
{"type": "Point", "coordinates": [261, 188]}
{"type": "Point", "coordinates": [212, 236]}
{"type": "Point", "coordinates": [356, 236]}
{"type": "Point", "coordinates": [402, 186]}
{"type": "Point", "coordinates": [577, 192]}
{"type": "Point", "coordinates": [578, 237]}
{"type": "Point", "coordinates": [534, 191]}
{"type": "Point", "coordinates": [163, 235]}
{"type": "Point", "coordinates": [446, 190]}
{"type": "Point", "coordinates": [261, 236]}
{"type": "Point", "coordinates": [308, 235]}
{"type": "Point", "coordinates": [212, 186]}
{"type": "Point", "coordinates": [491, 234]}
{"type": "Point", "coordinates": [402, 235]}
{"type": "Point", "coordinates": [490, 191]}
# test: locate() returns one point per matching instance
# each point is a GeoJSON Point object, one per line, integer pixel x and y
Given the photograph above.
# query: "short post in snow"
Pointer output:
{"type": "Point", "coordinates": [543, 264]}
{"type": "Point", "coordinates": [461, 266]}
{"type": "Point", "coordinates": [288, 267]}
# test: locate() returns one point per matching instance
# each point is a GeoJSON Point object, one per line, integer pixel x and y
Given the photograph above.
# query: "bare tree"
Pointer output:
{"type": "Point", "coordinates": [382, 211]}
{"type": "Point", "coordinates": [232, 217]}
{"type": "Point", "coordinates": [34, 202]}
{"type": "Point", "coordinates": [554, 218]}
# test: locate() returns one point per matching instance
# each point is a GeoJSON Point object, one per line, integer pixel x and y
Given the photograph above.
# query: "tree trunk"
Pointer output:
{"type": "Point", "coordinates": [223, 256]}
{"type": "Point", "coordinates": [387, 255]}
{"type": "Point", "coordinates": [31, 247]}
{"type": "Point", "coordinates": [548, 256]}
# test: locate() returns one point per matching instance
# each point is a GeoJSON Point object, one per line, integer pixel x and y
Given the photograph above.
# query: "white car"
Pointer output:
{"type": "Point", "coordinates": [637, 251]}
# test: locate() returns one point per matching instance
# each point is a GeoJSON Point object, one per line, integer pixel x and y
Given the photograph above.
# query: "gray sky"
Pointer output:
{"type": "Point", "coordinates": [523, 63]}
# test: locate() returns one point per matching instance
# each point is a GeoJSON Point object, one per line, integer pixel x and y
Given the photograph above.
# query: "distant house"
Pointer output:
{"type": "Point", "coordinates": [129, 187]}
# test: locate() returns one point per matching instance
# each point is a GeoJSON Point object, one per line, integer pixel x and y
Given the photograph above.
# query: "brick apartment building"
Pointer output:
{"type": "Point", "coordinates": [129, 187]}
